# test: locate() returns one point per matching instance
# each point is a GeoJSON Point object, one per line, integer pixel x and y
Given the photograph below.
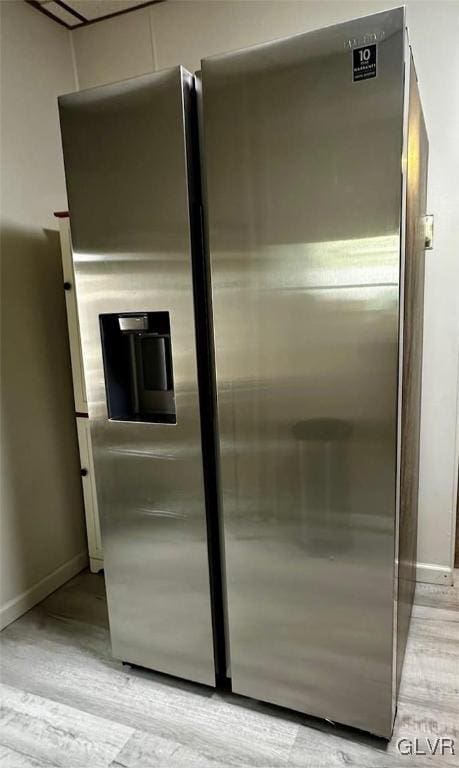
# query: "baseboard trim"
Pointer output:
{"type": "Point", "coordinates": [434, 574]}
{"type": "Point", "coordinates": [26, 600]}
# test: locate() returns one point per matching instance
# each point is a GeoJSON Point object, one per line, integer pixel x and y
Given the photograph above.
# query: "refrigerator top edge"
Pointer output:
{"type": "Point", "coordinates": [349, 34]}
{"type": "Point", "coordinates": [118, 86]}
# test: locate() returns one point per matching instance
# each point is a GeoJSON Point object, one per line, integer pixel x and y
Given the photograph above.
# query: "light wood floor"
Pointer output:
{"type": "Point", "coordinates": [66, 702]}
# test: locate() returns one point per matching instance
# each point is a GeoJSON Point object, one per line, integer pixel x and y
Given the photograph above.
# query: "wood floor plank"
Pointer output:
{"type": "Point", "coordinates": [82, 599]}
{"type": "Point", "coordinates": [10, 758]}
{"type": "Point", "coordinates": [324, 749]}
{"type": "Point", "coordinates": [431, 669]}
{"type": "Point", "coordinates": [145, 751]}
{"type": "Point", "coordinates": [56, 734]}
{"type": "Point", "coordinates": [438, 596]}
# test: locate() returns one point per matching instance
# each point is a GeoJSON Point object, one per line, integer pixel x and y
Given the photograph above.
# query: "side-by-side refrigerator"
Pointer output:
{"type": "Point", "coordinates": [132, 175]}
{"type": "Point", "coordinates": [315, 156]}
{"type": "Point", "coordinates": [272, 264]}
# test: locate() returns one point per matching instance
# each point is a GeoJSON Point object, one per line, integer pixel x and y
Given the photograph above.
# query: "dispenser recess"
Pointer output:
{"type": "Point", "coordinates": [137, 355]}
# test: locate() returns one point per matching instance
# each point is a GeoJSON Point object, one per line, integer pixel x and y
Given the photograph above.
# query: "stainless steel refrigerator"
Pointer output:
{"type": "Point", "coordinates": [288, 564]}
{"type": "Point", "coordinates": [315, 156]}
{"type": "Point", "coordinates": [132, 174]}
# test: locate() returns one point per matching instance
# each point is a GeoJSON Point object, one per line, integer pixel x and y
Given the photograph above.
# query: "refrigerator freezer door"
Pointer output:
{"type": "Point", "coordinates": [303, 172]}
{"type": "Point", "coordinates": [126, 167]}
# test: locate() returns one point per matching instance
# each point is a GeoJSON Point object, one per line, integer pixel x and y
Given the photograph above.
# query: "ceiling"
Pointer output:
{"type": "Point", "coordinates": [78, 13]}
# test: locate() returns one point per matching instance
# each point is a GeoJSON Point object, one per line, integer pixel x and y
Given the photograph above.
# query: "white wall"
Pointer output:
{"type": "Point", "coordinates": [184, 31]}
{"type": "Point", "coordinates": [42, 531]}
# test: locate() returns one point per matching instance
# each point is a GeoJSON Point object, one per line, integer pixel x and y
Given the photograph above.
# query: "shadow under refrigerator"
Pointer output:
{"type": "Point", "coordinates": [133, 187]}
{"type": "Point", "coordinates": [315, 156]}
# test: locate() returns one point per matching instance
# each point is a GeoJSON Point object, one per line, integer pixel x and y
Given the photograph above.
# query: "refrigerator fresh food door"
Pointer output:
{"type": "Point", "coordinates": [303, 143]}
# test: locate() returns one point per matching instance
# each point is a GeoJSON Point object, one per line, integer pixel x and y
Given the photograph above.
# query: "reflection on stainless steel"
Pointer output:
{"type": "Point", "coordinates": [126, 167]}
{"type": "Point", "coordinates": [324, 495]}
{"type": "Point", "coordinates": [303, 176]}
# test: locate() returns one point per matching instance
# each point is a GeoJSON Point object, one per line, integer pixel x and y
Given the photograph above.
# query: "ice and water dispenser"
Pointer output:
{"type": "Point", "coordinates": [137, 354]}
